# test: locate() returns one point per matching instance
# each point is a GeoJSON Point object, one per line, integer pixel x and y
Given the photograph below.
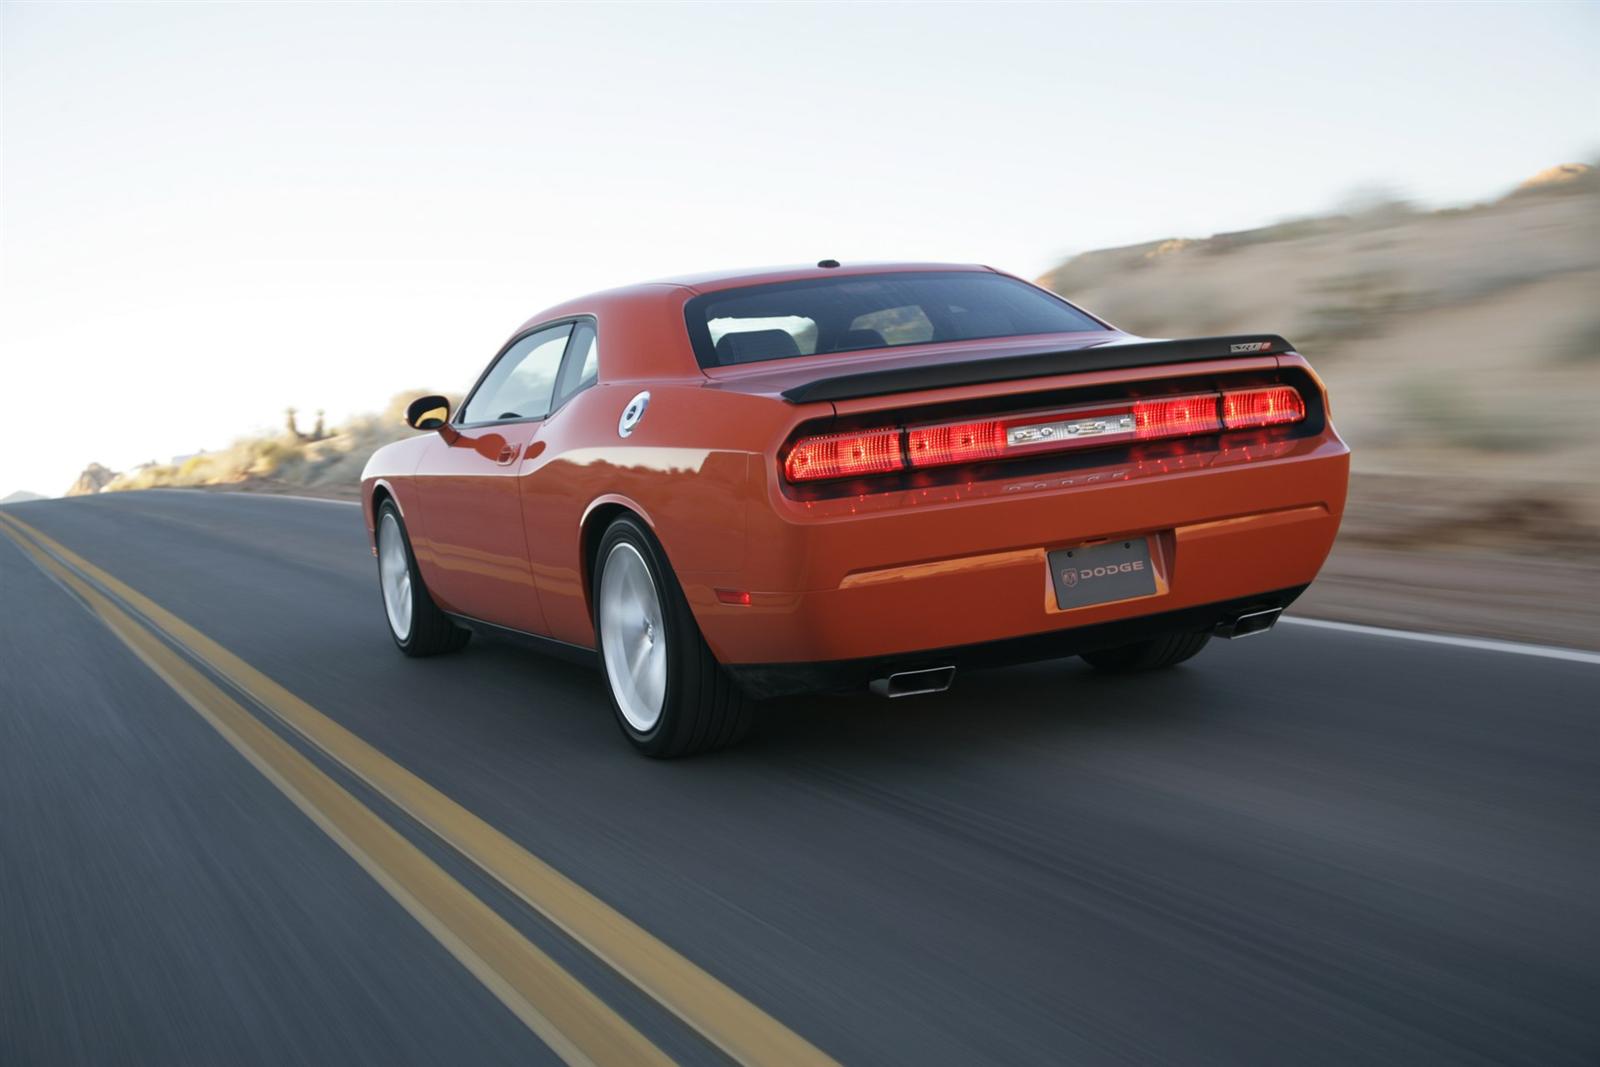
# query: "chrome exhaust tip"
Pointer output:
{"type": "Point", "coordinates": [914, 683]}
{"type": "Point", "coordinates": [1249, 624]}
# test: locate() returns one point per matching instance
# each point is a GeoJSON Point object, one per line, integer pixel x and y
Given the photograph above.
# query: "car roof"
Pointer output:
{"type": "Point", "coordinates": [708, 281]}
{"type": "Point", "coordinates": [646, 305]}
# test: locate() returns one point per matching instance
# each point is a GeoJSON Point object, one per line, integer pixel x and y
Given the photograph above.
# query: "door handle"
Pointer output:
{"type": "Point", "coordinates": [507, 454]}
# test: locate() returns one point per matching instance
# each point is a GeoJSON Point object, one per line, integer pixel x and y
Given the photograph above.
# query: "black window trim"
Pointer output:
{"type": "Point", "coordinates": [705, 353]}
{"type": "Point", "coordinates": [572, 321]}
{"type": "Point", "coordinates": [557, 401]}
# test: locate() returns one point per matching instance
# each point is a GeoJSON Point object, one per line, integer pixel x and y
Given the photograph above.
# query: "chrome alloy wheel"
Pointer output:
{"type": "Point", "coordinates": [394, 575]}
{"type": "Point", "coordinates": [633, 637]}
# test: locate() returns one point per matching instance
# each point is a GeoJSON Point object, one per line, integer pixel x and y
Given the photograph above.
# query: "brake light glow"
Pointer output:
{"type": "Point", "coordinates": [884, 451]}
{"type": "Point", "coordinates": [1178, 416]}
{"type": "Point", "coordinates": [1242, 408]}
{"type": "Point", "coordinates": [961, 442]}
{"type": "Point", "coordinates": [843, 455]}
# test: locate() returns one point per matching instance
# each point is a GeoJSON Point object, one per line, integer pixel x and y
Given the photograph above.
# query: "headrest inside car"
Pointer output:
{"type": "Point", "coordinates": [752, 346]}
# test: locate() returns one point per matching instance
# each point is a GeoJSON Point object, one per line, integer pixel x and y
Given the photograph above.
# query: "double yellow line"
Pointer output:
{"type": "Point", "coordinates": [570, 1019]}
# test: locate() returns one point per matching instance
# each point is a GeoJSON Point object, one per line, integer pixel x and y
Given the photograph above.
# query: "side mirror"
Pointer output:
{"type": "Point", "coordinates": [428, 413]}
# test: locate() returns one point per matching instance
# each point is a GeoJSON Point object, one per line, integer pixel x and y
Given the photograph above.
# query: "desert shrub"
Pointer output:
{"type": "Point", "coordinates": [1350, 307]}
{"type": "Point", "coordinates": [1442, 413]}
{"type": "Point", "coordinates": [1287, 230]}
{"type": "Point", "coordinates": [1372, 207]}
{"type": "Point", "coordinates": [1581, 344]}
{"type": "Point", "coordinates": [265, 455]}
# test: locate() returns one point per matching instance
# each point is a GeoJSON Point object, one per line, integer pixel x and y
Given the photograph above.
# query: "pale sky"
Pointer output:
{"type": "Point", "coordinates": [212, 212]}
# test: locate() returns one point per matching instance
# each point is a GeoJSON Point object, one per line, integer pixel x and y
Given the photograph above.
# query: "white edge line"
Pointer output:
{"type": "Point", "coordinates": [1483, 644]}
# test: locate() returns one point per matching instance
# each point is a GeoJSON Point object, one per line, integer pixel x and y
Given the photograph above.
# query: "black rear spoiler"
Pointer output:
{"type": "Point", "coordinates": [1036, 365]}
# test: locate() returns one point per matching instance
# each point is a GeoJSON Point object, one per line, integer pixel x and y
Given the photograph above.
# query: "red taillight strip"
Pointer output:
{"type": "Point", "coordinates": [1179, 416]}
{"type": "Point", "coordinates": [1244, 408]}
{"type": "Point", "coordinates": [843, 455]}
{"type": "Point", "coordinates": [956, 442]}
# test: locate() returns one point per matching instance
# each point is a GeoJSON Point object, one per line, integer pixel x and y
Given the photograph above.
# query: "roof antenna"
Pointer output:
{"type": "Point", "coordinates": [827, 263]}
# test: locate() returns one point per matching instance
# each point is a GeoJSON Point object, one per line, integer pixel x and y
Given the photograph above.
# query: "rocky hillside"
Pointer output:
{"type": "Point", "coordinates": [93, 479]}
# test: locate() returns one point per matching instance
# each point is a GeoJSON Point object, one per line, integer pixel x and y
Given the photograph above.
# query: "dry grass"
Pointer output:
{"type": "Point", "coordinates": [330, 465]}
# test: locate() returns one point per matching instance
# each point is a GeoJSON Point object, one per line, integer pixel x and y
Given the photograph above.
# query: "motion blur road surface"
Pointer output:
{"type": "Point", "coordinates": [1309, 847]}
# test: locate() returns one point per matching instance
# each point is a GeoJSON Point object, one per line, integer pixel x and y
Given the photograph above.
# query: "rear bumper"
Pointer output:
{"type": "Point", "coordinates": [764, 680]}
{"type": "Point", "coordinates": [892, 576]}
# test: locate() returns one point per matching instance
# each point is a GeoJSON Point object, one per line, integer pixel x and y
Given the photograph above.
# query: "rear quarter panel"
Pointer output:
{"type": "Point", "coordinates": [685, 470]}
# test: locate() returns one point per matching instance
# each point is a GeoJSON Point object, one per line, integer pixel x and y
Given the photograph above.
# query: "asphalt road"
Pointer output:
{"type": "Point", "coordinates": [1311, 847]}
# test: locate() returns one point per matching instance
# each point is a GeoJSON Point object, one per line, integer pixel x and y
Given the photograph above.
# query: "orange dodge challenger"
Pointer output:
{"type": "Point", "coordinates": [733, 486]}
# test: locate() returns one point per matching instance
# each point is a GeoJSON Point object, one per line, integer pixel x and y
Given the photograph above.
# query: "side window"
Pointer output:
{"type": "Point", "coordinates": [520, 385]}
{"type": "Point", "coordinates": [581, 368]}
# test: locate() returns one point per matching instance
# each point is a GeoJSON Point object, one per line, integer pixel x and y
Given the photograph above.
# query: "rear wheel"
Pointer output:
{"type": "Point", "coordinates": [417, 625]}
{"type": "Point", "coordinates": [670, 696]}
{"type": "Point", "coordinates": [1148, 655]}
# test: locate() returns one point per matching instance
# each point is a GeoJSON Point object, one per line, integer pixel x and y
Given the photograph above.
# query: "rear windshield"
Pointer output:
{"type": "Point", "coordinates": [866, 311]}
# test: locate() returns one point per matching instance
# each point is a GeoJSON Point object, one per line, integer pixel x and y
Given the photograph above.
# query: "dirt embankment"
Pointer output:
{"type": "Point", "coordinates": [1461, 556]}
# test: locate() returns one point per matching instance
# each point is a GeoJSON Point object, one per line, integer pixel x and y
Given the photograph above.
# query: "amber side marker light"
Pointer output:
{"type": "Point", "coordinates": [884, 451]}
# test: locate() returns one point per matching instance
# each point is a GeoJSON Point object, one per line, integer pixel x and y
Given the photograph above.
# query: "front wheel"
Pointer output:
{"type": "Point", "coordinates": [670, 696]}
{"type": "Point", "coordinates": [417, 625]}
{"type": "Point", "coordinates": [1148, 655]}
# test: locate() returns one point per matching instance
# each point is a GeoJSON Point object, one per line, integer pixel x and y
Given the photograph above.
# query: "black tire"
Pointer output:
{"type": "Point", "coordinates": [1148, 655]}
{"type": "Point", "coordinates": [431, 631]}
{"type": "Point", "coordinates": [703, 709]}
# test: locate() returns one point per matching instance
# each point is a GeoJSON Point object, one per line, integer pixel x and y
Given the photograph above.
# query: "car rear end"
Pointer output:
{"type": "Point", "coordinates": [950, 509]}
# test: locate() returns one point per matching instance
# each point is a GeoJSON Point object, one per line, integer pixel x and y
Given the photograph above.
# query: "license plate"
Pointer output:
{"type": "Point", "coordinates": [1097, 574]}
